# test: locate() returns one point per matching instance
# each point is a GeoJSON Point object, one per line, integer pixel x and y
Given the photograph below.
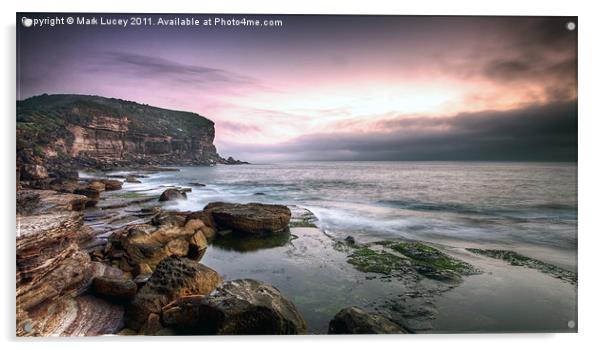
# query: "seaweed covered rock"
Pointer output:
{"type": "Point", "coordinates": [251, 218]}
{"type": "Point", "coordinates": [404, 259]}
{"type": "Point", "coordinates": [353, 320]}
{"type": "Point", "coordinates": [243, 306]}
{"type": "Point", "coordinates": [174, 277]}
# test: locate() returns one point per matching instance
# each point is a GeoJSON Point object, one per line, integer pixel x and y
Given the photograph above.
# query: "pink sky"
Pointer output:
{"type": "Point", "coordinates": [317, 75]}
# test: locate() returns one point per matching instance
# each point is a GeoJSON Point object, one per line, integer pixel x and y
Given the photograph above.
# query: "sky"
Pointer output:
{"type": "Point", "coordinates": [333, 87]}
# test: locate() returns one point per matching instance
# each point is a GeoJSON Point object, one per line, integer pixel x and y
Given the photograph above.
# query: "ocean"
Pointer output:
{"type": "Point", "coordinates": [530, 208]}
{"type": "Point", "coordinates": [521, 205]}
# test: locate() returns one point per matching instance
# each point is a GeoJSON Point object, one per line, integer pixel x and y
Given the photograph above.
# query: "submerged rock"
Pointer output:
{"type": "Point", "coordinates": [171, 195]}
{"type": "Point", "coordinates": [251, 243]}
{"type": "Point", "coordinates": [516, 259]}
{"type": "Point", "coordinates": [252, 218]}
{"type": "Point", "coordinates": [350, 240]}
{"type": "Point", "coordinates": [302, 217]}
{"type": "Point", "coordinates": [174, 277]}
{"type": "Point", "coordinates": [132, 179]}
{"type": "Point", "coordinates": [409, 258]}
{"type": "Point", "coordinates": [237, 307]}
{"type": "Point", "coordinates": [353, 320]}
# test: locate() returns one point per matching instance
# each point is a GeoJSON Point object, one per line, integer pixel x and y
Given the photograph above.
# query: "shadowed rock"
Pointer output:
{"type": "Point", "coordinates": [33, 172]}
{"type": "Point", "coordinates": [174, 277]}
{"type": "Point", "coordinates": [353, 320]}
{"type": "Point", "coordinates": [172, 194]}
{"type": "Point", "coordinates": [237, 307]}
{"type": "Point", "coordinates": [114, 289]}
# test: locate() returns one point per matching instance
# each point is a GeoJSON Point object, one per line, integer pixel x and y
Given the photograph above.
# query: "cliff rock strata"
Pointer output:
{"type": "Point", "coordinates": [78, 130]}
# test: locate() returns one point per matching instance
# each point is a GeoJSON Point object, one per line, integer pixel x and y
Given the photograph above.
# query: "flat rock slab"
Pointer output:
{"type": "Point", "coordinates": [251, 218]}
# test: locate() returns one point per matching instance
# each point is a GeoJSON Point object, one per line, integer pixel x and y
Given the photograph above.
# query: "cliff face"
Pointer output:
{"type": "Point", "coordinates": [56, 130]}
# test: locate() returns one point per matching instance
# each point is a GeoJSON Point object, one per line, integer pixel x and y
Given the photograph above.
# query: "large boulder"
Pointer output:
{"type": "Point", "coordinates": [251, 218]}
{"type": "Point", "coordinates": [353, 320]}
{"type": "Point", "coordinates": [172, 194]}
{"type": "Point", "coordinates": [174, 277]}
{"type": "Point", "coordinates": [148, 244]}
{"type": "Point", "coordinates": [236, 307]}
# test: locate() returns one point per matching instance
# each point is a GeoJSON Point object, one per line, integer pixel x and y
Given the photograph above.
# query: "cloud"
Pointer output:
{"type": "Point", "coordinates": [234, 127]}
{"type": "Point", "coordinates": [156, 68]}
{"type": "Point", "coordinates": [536, 133]}
{"type": "Point", "coordinates": [535, 51]}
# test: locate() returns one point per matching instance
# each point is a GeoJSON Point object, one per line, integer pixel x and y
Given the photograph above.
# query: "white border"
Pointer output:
{"type": "Point", "coordinates": [590, 148]}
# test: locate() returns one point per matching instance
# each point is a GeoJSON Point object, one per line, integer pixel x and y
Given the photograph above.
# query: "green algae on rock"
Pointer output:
{"type": "Point", "coordinates": [396, 258]}
{"type": "Point", "coordinates": [301, 217]}
{"type": "Point", "coordinates": [422, 254]}
{"type": "Point", "coordinates": [367, 260]}
{"type": "Point", "coordinates": [520, 260]}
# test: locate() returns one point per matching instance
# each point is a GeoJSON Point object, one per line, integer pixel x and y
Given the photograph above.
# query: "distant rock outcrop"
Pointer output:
{"type": "Point", "coordinates": [58, 131]}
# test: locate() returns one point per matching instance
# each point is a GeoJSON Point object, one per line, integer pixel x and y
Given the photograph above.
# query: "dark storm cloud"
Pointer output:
{"type": "Point", "coordinates": [532, 50]}
{"type": "Point", "coordinates": [156, 68]}
{"type": "Point", "coordinates": [536, 133]}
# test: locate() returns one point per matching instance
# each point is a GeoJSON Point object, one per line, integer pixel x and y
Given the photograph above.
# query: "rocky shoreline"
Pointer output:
{"type": "Point", "coordinates": [93, 260]}
{"type": "Point", "coordinates": [145, 277]}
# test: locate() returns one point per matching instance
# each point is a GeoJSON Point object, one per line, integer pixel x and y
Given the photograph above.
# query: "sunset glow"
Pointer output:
{"type": "Point", "coordinates": [267, 87]}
